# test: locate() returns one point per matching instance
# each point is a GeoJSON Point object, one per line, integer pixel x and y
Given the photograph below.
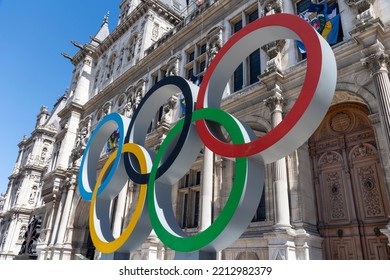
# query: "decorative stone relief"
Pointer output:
{"type": "Point", "coordinates": [22, 232]}
{"type": "Point", "coordinates": [275, 102]}
{"type": "Point", "coordinates": [273, 51]}
{"type": "Point", "coordinates": [128, 109]}
{"type": "Point", "coordinates": [271, 7]}
{"type": "Point", "coordinates": [378, 62]}
{"type": "Point", "coordinates": [82, 138]}
{"type": "Point", "coordinates": [364, 8]}
{"type": "Point", "coordinates": [155, 31]}
{"type": "Point", "coordinates": [167, 118]}
{"type": "Point", "coordinates": [213, 48]}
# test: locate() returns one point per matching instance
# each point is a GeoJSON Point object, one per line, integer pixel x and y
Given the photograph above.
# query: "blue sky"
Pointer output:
{"type": "Point", "coordinates": [32, 71]}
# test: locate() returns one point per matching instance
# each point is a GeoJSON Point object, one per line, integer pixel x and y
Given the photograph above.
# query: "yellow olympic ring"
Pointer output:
{"type": "Point", "coordinates": [101, 243]}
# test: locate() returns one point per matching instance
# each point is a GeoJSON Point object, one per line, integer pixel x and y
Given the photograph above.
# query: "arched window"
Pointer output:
{"type": "Point", "coordinates": [110, 66]}
{"type": "Point", "coordinates": [132, 46]}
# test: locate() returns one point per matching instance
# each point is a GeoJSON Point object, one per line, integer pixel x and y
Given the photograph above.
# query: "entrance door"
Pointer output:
{"type": "Point", "coordinates": [352, 205]}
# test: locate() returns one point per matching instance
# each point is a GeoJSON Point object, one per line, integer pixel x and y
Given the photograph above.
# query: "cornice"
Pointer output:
{"type": "Point", "coordinates": [69, 108]}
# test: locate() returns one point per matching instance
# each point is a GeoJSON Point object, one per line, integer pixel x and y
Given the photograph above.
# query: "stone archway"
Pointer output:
{"type": "Point", "coordinates": [351, 201]}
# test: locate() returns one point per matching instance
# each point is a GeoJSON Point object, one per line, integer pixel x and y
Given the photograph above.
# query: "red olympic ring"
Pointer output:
{"type": "Point", "coordinates": [312, 103]}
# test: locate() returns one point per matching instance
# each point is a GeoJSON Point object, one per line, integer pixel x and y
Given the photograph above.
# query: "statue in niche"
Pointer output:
{"type": "Point", "coordinates": [138, 98]}
{"type": "Point", "coordinates": [33, 194]}
{"type": "Point", "coordinates": [128, 110]}
{"type": "Point", "coordinates": [43, 154]}
{"type": "Point", "coordinates": [22, 233]}
{"type": "Point", "coordinates": [213, 49]}
{"type": "Point", "coordinates": [168, 112]}
{"type": "Point", "coordinates": [172, 72]}
{"type": "Point", "coordinates": [81, 141]}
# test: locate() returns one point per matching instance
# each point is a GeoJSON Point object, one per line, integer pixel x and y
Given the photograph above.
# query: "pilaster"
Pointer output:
{"type": "Point", "coordinates": [275, 103]}
{"type": "Point", "coordinates": [378, 64]}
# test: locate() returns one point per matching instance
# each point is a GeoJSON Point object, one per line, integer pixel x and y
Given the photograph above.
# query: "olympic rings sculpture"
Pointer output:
{"type": "Point", "coordinates": [201, 125]}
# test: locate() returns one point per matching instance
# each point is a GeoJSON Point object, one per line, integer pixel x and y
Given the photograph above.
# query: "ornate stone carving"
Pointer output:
{"type": "Point", "coordinates": [364, 8]}
{"type": "Point", "coordinates": [167, 118]}
{"type": "Point", "coordinates": [128, 109]}
{"type": "Point", "coordinates": [275, 102]}
{"type": "Point", "coordinates": [271, 7]}
{"type": "Point", "coordinates": [155, 31]}
{"type": "Point", "coordinates": [82, 136]}
{"type": "Point", "coordinates": [370, 192]}
{"type": "Point", "coordinates": [378, 62]}
{"type": "Point", "coordinates": [213, 48]}
{"type": "Point", "coordinates": [273, 50]}
{"type": "Point", "coordinates": [22, 232]}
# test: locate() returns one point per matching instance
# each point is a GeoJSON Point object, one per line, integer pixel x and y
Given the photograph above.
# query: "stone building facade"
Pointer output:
{"type": "Point", "coordinates": [327, 200]}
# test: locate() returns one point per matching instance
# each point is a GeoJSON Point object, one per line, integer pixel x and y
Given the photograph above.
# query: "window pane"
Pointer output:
{"type": "Point", "coordinates": [253, 16]}
{"type": "Point", "coordinates": [191, 56]}
{"type": "Point", "coordinates": [238, 77]}
{"type": "Point", "coordinates": [254, 66]}
{"type": "Point", "coordinates": [196, 210]}
{"type": "Point", "coordinates": [303, 5]}
{"type": "Point", "coordinates": [237, 26]}
{"type": "Point", "coordinates": [184, 217]}
{"type": "Point", "coordinates": [203, 49]}
{"type": "Point", "coordinates": [260, 212]}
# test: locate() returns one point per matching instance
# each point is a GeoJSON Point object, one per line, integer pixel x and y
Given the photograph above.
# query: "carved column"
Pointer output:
{"type": "Point", "coordinates": [378, 64]}
{"type": "Point", "coordinates": [275, 103]}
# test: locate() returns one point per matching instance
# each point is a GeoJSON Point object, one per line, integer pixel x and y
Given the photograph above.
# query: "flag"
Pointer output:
{"type": "Point", "coordinates": [331, 30]}
{"type": "Point", "coordinates": [194, 79]}
{"type": "Point", "coordinates": [183, 105]}
{"type": "Point", "coordinates": [324, 19]}
{"type": "Point", "coordinates": [112, 142]}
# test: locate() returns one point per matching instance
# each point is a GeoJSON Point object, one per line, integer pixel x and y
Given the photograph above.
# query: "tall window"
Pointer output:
{"type": "Point", "coordinates": [238, 76]}
{"type": "Point", "coordinates": [260, 215]}
{"type": "Point", "coordinates": [189, 200]}
{"type": "Point", "coordinates": [196, 62]}
{"type": "Point", "coordinates": [110, 66]}
{"type": "Point", "coordinates": [254, 58]}
{"type": "Point", "coordinates": [132, 48]}
{"type": "Point", "coordinates": [248, 71]}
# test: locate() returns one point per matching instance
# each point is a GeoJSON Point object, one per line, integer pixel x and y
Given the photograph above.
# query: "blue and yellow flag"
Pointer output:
{"type": "Point", "coordinates": [113, 141]}
{"type": "Point", "coordinates": [324, 19]}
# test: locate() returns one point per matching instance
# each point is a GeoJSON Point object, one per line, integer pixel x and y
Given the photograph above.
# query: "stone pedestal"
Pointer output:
{"type": "Point", "coordinates": [291, 244]}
